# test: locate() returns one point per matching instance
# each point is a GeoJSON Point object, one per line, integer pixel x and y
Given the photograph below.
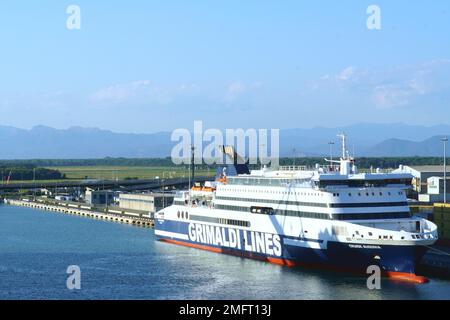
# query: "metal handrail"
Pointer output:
{"type": "Point", "coordinates": [293, 168]}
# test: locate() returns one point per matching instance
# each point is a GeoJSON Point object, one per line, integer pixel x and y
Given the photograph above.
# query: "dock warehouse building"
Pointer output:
{"type": "Point", "coordinates": [435, 190]}
{"type": "Point", "coordinates": [100, 197]}
{"type": "Point", "coordinates": [421, 175]}
{"type": "Point", "coordinates": [150, 202]}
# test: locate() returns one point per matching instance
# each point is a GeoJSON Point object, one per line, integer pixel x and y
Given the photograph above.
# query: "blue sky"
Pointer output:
{"type": "Point", "coordinates": [146, 66]}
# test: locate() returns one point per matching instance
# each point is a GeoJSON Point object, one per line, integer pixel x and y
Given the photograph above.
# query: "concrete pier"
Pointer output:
{"type": "Point", "coordinates": [82, 211]}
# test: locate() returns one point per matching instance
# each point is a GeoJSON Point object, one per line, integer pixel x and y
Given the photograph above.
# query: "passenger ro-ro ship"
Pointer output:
{"type": "Point", "coordinates": [327, 217]}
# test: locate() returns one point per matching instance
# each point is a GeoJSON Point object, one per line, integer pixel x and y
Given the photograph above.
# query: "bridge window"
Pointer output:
{"type": "Point", "coordinates": [364, 183]}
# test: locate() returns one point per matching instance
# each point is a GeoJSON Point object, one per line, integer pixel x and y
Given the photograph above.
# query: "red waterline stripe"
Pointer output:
{"type": "Point", "coordinates": [193, 245]}
{"type": "Point", "coordinates": [404, 276]}
{"type": "Point", "coordinates": [279, 261]}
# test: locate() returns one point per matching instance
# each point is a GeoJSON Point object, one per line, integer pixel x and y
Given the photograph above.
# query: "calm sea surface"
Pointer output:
{"type": "Point", "coordinates": [119, 261]}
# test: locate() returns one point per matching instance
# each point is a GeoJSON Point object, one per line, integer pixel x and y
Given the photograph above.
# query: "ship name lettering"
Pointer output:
{"type": "Point", "coordinates": [252, 241]}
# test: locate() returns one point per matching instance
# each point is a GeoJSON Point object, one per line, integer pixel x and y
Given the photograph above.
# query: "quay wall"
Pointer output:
{"type": "Point", "coordinates": [84, 211]}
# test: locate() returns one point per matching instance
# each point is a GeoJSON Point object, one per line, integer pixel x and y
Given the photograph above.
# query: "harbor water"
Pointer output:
{"type": "Point", "coordinates": [120, 261]}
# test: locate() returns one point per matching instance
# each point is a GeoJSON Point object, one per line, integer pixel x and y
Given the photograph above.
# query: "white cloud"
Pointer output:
{"type": "Point", "coordinates": [237, 89]}
{"type": "Point", "coordinates": [400, 86]}
{"type": "Point", "coordinates": [346, 74]}
{"type": "Point", "coordinates": [141, 91]}
{"type": "Point", "coordinates": [120, 93]}
{"type": "Point", "coordinates": [412, 82]}
{"type": "Point", "coordinates": [386, 97]}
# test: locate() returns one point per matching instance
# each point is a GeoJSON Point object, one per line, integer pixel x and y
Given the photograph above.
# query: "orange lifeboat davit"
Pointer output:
{"type": "Point", "coordinates": [222, 179]}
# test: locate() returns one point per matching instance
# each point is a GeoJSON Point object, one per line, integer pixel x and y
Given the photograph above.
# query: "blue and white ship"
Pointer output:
{"type": "Point", "coordinates": [328, 217]}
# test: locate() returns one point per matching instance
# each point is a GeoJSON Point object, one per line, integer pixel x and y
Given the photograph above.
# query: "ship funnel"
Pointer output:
{"type": "Point", "coordinates": [237, 166]}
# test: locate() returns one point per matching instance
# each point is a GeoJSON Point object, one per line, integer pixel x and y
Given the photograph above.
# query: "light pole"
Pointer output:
{"type": "Point", "coordinates": [444, 140]}
{"type": "Point", "coordinates": [293, 154]}
{"type": "Point", "coordinates": [34, 182]}
{"type": "Point", "coordinates": [163, 188]}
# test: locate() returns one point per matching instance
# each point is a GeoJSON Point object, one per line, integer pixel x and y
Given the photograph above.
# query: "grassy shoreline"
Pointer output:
{"type": "Point", "coordinates": [124, 172]}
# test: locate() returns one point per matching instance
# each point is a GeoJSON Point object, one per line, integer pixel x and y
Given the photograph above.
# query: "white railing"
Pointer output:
{"type": "Point", "coordinates": [293, 168]}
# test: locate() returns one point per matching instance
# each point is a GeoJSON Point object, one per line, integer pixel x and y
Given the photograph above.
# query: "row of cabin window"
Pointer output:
{"type": "Point", "coordinates": [276, 192]}
{"type": "Point", "coordinates": [367, 194]}
{"type": "Point", "coordinates": [314, 215]}
{"type": "Point", "coordinates": [231, 222]}
{"type": "Point", "coordinates": [302, 193]}
{"type": "Point", "coordinates": [299, 203]}
{"type": "Point", "coordinates": [371, 216]}
{"type": "Point", "coordinates": [323, 216]}
{"type": "Point", "coordinates": [265, 181]}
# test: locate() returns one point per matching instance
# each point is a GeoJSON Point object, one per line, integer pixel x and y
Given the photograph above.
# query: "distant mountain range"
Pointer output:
{"type": "Point", "coordinates": [365, 139]}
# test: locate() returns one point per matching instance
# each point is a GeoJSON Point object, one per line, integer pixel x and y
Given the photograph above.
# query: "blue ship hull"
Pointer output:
{"type": "Point", "coordinates": [394, 260]}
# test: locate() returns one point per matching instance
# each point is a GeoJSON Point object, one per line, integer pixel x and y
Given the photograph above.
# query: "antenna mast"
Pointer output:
{"type": "Point", "coordinates": [192, 164]}
{"type": "Point", "coordinates": [343, 136]}
{"type": "Point", "coordinates": [191, 173]}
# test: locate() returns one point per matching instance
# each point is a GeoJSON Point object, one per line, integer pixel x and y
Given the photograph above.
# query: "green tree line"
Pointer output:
{"type": "Point", "coordinates": [28, 172]}
{"type": "Point", "coordinates": [385, 162]}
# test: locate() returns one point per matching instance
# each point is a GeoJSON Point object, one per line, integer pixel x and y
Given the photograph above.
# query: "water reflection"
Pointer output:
{"type": "Point", "coordinates": [125, 262]}
{"type": "Point", "coordinates": [223, 277]}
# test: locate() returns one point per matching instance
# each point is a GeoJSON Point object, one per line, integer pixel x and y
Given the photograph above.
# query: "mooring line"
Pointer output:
{"type": "Point", "coordinates": [437, 250]}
